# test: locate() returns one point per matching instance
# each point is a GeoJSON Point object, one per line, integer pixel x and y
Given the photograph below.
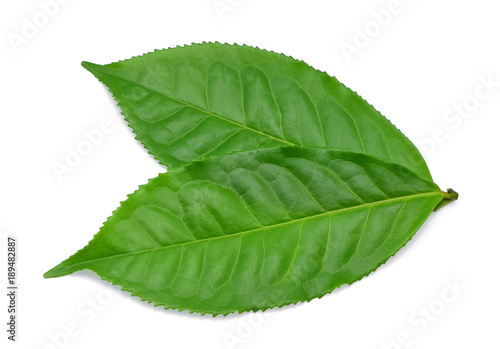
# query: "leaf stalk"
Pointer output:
{"type": "Point", "coordinates": [449, 196]}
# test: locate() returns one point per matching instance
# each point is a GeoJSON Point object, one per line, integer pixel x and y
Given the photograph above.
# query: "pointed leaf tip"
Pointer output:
{"type": "Point", "coordinates": [90, 66]}
{"type": "Point", "coordinates": [55, 272]}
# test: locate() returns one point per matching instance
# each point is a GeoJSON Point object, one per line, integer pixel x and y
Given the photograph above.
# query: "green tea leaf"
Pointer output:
{"type": "Point", "coordinates": [258, 229]}
{"type": "Point", "coordinates": [188, 102]}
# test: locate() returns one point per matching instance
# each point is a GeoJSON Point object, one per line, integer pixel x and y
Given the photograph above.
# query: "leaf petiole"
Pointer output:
{"type": "Point", "coordinates": [449, 196]}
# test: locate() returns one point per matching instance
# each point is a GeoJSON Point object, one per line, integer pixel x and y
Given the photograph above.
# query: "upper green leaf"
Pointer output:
{"type": "Point", "coordinates": [185, 103]}
{"type": "Point", "coordinates": [257, 229]}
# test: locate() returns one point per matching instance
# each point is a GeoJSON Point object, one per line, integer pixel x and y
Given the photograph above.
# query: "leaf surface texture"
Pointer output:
{"type": "Point", "coordinates": [257, 229]}
{"type": "Point", "coordinates": [189, 102]}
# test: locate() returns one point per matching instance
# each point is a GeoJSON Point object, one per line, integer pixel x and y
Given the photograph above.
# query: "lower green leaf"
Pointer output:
{"type": "Point", "coordinates": [258, 229]}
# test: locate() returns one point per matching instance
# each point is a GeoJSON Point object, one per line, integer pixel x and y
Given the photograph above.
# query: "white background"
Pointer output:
{"type": "Point", "coordinates": [427, 58]}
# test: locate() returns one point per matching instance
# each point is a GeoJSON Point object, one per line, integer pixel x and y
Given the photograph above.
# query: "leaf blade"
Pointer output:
{"type": "Point", "coordinates": [303, 253]}
{"type": "Point", "coordinates": [255, 97]}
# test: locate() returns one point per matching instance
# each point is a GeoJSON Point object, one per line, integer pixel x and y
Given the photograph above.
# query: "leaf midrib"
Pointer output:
{"type": "Point", "coordinates": [346, 209]}
{"type": "Point", "coordinates": [207, 112]}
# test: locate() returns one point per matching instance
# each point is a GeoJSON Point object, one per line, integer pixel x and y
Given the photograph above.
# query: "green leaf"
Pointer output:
{"type": "Point", "coordinates": [258, 229]}
{"type": "Point", "coordinates": [188, 102]}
